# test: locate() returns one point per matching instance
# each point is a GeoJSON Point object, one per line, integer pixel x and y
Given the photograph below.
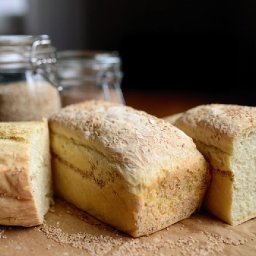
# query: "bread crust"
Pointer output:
{"type": "Point", "coordinates": [225, 134]}
{"type": "Point", "coordinates": [17, 203]}
{"type": "Point", "coordinates": [143, 150]}
{"type": "Point", "coordinates": [131, 138]}
{"type": "Point", "coordinates": [218, 124]}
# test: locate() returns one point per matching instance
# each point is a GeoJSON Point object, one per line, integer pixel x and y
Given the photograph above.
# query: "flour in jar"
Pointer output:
{"type": "Point", "coordinates": [23, 101]}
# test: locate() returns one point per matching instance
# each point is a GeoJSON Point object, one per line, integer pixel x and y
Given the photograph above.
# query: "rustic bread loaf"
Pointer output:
{"type": "Point", "coordinates": [125, 167]}
{"type": "Point", "coordinates": [226, 135]}
{"type": "Point", "coordinates": [25, 175]}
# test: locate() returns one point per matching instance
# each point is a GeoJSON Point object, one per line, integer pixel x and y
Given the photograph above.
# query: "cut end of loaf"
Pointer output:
{"type": "Point", "coordinates": [162, 201]}
{"type": "Point", "coordinates": [40, 170]}
{"type": "Point", "coordinates": [25, 174]}
{"type": "Point", "coordinates": [226, 135]}
{"type": "Point", "coordinates": [243, 164]}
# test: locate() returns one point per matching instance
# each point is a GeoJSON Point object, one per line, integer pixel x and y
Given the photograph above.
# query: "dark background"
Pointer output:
{"type": "Point", "coordinates": [204, 47]}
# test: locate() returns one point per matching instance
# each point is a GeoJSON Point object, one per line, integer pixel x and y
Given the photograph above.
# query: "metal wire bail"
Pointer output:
{"type": "Point", "coordinates": [37, 61]}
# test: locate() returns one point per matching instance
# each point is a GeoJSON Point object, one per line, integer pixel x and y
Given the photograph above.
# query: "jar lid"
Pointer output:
{"type": "Point", "coordinates": [23, 51]}
{"type": "Point", "coordinates": [85, 64]}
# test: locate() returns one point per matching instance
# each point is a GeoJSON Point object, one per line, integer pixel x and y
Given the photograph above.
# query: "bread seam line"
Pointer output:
{"type": "Point", "coordinates": [212, 146]}
{"type": "Point", "coordinates": [76, 169]}
{"type": "Point", "coordinates": [84, 146]}
{"type": "Point", "coordinates": [91, 150]}
{"type": "Point", "coordinates": [13, 138]}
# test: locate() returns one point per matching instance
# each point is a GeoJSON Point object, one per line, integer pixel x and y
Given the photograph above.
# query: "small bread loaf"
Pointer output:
{"type": "Point", "coordinates": [25, 174]}
{"type": "Point", "coordinates": [125, 167]}
{"type": "Point", "coordinates": [226, 135]}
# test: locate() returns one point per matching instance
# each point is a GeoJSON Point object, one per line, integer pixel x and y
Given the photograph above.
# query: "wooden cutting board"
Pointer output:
{"type": "Point", "coordinates": [69, 231]}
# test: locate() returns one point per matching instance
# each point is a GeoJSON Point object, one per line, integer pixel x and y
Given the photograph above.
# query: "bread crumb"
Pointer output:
{"type": "Point", "coordinates": [94, 245]}
{"type": "Point", "coordinates": [49, 246]}
{"type": "Point", "coordinates": [116, 244]}
{"type": "Point", "coordinates": [113, 243]}
{"type": "Point", "coordinates": [2, 236]}
{"type": "Point", "coordinates": [52, 210]}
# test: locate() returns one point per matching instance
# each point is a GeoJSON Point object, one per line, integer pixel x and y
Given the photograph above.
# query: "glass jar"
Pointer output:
{"type": "Point", "coordinates": [28, 89]}
{"type": "Point", "coordinates": [87, 75]}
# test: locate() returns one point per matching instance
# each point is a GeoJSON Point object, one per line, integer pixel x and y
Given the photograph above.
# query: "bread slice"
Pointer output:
{"type": "Point", "coordinates": [25, 174]}
{"type": "Point", "coordinates": [226, 135]}
{"type": "Point", "coordinates": [125, 167]}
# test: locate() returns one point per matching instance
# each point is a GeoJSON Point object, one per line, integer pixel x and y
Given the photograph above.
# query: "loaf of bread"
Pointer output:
{"type": "Point", "coordinates": [125, 167]}
{"type": "Point", "coordinates": [25, 174]}
{"type": "Point", "coordinates": [226, 135]}
{"type": "Point", "coordinates": [172, 119]}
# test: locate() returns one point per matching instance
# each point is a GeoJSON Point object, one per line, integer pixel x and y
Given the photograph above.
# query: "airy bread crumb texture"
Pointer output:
{"type": "Point", "coordinates": [25, 173]}
{"type": "Point", "coordinates": [226, 135]}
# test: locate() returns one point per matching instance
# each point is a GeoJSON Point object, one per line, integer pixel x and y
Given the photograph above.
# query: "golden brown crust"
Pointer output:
{"type": "Point", "coordinates": [157, 165]}
{"type": "Point", "coordinates": [218, 124]}
{"type": "Point", "coordinates": [138, 142]}
{"type": "Point", "coordinates": [165, 196]}
{"type": "Point", "coordinates": [226, 136]}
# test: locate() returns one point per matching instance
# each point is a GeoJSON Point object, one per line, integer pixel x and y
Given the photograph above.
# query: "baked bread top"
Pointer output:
{"type": "Point", "coordinates": [18, 131]}
{"type": "Point", "coordinates": [141, 146]}
{"type": "Point", "coordinates": [218, 124]}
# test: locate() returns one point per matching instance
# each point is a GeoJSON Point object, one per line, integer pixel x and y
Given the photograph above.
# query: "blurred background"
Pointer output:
{"type": "Point", "coordinates": [172, 51]}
